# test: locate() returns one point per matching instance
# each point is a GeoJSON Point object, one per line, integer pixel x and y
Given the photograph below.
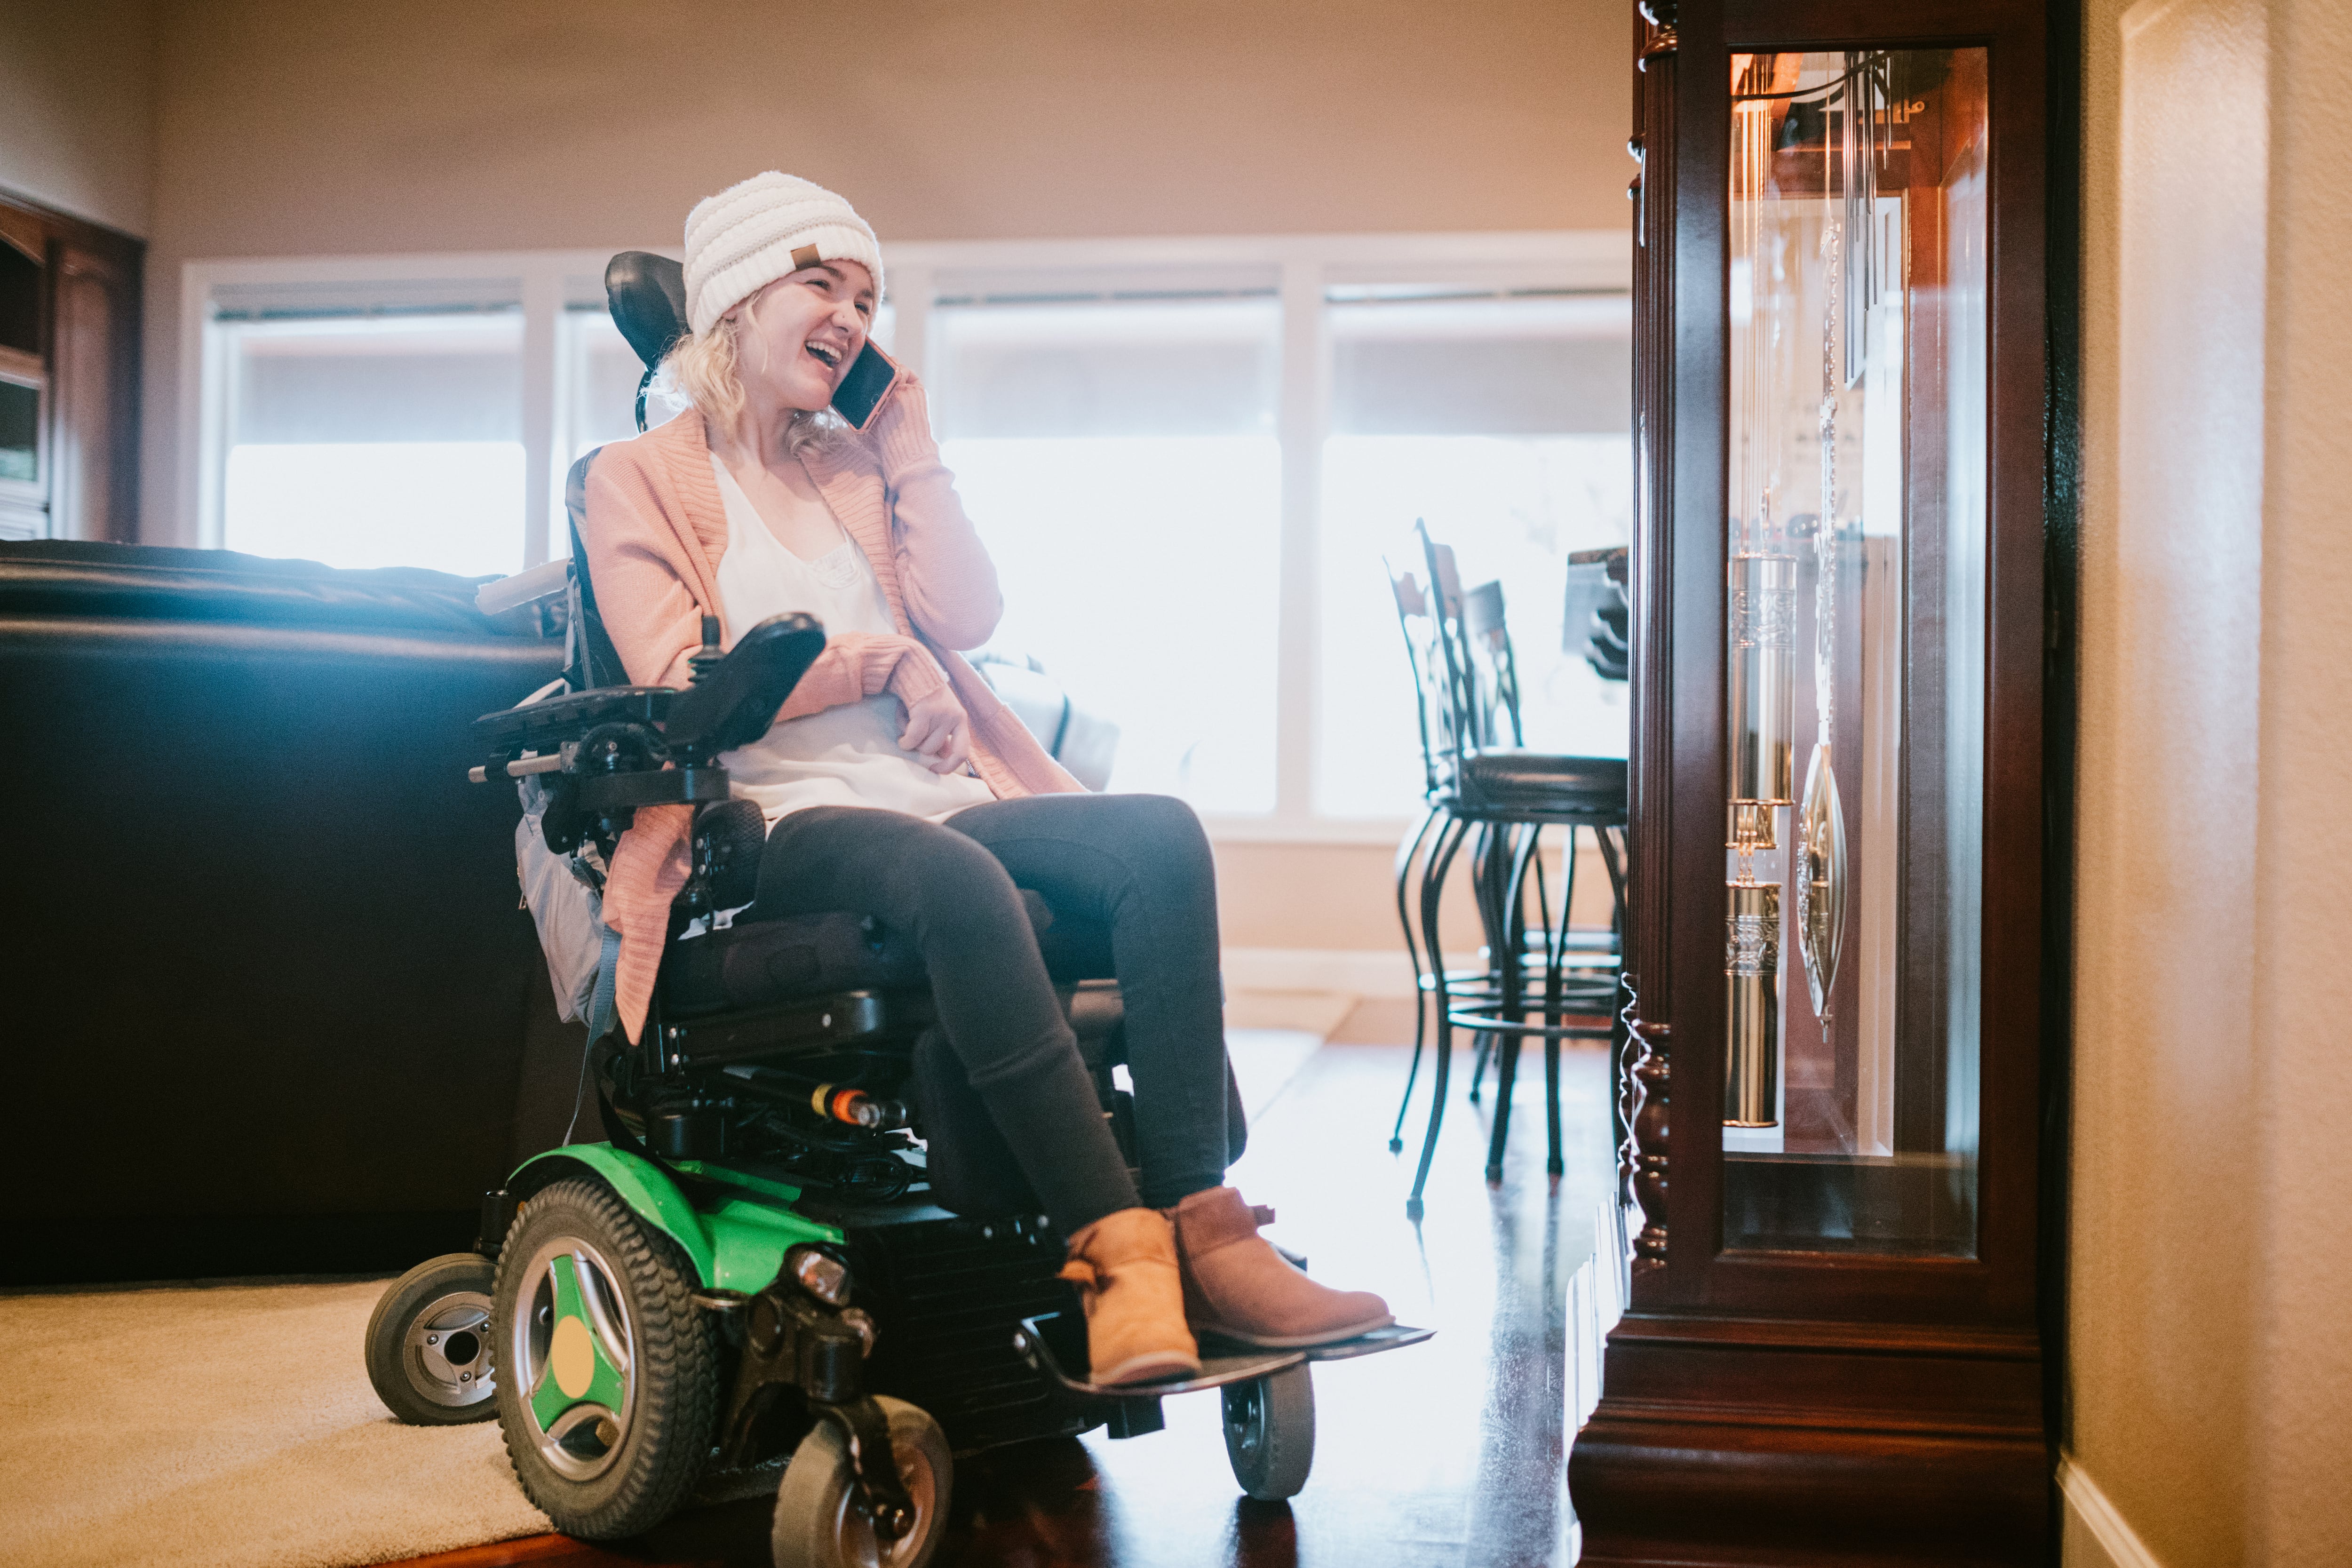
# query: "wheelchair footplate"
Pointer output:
{"type": "Point", "coordinates": [1222, 1362]}
{"type": "Point", "coordinates": [1395, 1337]}
{"type": "Point", "coordinates": [1033, 1340]}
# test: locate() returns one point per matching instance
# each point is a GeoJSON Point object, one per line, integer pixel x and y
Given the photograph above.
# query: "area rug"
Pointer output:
{"type": "Point", "coordinates": [232, 1426]}
{"type": "Point", "coordinates": [205, 1426]}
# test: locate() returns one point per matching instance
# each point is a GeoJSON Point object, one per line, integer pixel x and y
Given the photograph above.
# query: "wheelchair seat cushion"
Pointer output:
{"type": "Point", "coordinates": [765, 963]}
{"type": "Point", "coordinates": [758, 962]}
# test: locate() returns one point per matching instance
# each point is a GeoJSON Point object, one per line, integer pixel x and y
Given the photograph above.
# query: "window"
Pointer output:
{"type": "Point", "coordinates": [1187, 456]}
{"type": "Point", "coordinates": [23, 377]}
{"type": "Point", "coordinates": [1120, 461]}
{"type": "Point", "coordinates": [20, 424]}
{"type": "Point", "coordinates": [1501, 423]}
{"type": "Point", "coordinates": [388, 441]}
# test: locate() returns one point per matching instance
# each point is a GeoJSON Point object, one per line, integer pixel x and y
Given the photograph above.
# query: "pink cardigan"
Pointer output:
{"type": "Point", "coordinates": [654, 533]}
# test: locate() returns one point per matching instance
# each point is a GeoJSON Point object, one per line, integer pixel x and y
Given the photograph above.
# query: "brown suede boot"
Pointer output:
{"type": "Point", "coordinates": [1237, 1287]}
{"type": "Point", "coordinates": [1124, 1265]}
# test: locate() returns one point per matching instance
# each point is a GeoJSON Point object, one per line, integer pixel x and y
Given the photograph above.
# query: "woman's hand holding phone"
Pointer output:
{"type": "Point", "coordinates": [938, 732]}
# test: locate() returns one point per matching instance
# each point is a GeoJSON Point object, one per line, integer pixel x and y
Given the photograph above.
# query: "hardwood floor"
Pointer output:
{"type": "Point", "coordinates": [1447, 1454]}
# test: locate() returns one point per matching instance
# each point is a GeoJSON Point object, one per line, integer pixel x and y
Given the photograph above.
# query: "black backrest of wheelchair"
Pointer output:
{"type": "Point", "coordinates": [594, 662]}
{"type": "Point", "coordinates": [646, 294]}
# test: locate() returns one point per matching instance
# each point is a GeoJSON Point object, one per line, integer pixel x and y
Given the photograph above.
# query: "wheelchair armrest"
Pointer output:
{"type": "Point", "coordinates": [733, 702]}
{"type": "Point", "coordinates": [542, 727]}
{"type": "Point", "coordinates": [610, 751]}
{"type": "Point", "coordinates": [544, 582]}
{"type": "Point", "coordinates": [729, 706]}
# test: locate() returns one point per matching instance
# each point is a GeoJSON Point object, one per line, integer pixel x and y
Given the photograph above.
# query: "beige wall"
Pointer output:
{"type": "Point", "coordinates": [1312, 895]}
{"type": "Point", "coordinates": [1343, 896]}
{"type": "Point", "coordinates": [2213, 1082]}
{"type": "Point", "coordinates": [292, 128]}
{"type": "Point", "coordinates": [2170, 691]}
{"type": "Point", "coordinates": [78, 108]}
{"type": "Point", "coordinates": [2300, 1485]}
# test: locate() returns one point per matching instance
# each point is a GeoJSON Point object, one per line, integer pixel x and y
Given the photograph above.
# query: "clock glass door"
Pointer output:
{"type": "Point", "coordinates": [1858, 564]}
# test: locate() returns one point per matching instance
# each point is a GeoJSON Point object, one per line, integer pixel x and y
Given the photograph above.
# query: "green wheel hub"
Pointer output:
{"type": "Point", "coordinates": [573, 1345]}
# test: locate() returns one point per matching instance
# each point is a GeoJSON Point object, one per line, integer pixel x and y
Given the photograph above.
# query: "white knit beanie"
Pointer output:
{"type": "Point", "coordinates": [768, 226]}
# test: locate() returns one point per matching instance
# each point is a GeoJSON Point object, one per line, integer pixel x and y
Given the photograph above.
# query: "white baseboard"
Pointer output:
{"type": "Point", "coordinates": [1363, 972]}
{"type": "Point", "coordinates": [1596, 1301]}
{"type": "Point", "coordinates": [2096, 1534]}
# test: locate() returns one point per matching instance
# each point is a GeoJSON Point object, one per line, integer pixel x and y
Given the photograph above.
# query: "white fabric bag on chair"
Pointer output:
{"type": "Point", "coordinates": [581, 950]}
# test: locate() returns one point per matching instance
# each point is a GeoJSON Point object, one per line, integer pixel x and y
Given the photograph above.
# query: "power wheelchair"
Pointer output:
{"type": "Point", "coordinates": [801, 1235]}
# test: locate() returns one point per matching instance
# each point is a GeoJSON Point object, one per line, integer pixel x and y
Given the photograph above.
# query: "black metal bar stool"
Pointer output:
{"type": "Point", "coordinates": [1503, 796]}
{"type": "Point", "coordinates": [1590, 984]}
{"type": "Point", "coordinates": [1433, 711]}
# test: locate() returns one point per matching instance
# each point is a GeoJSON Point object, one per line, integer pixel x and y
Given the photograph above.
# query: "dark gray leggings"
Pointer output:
{"type": "Point", "coordinates": [1137, 864]}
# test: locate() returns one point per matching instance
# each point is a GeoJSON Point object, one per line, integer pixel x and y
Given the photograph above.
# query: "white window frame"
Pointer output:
{"type": "Point", "coordinates": [1589, 261]}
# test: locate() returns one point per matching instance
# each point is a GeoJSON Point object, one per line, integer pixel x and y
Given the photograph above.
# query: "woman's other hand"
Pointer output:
{"type": "Point", "coordinates": [938, 731]}
{"type": "Point", "coordinates": [900, 432]}
{"type": "Point", "coordinates": [905, 410]}
{"type": "Point", "coordinates": [943, 568]}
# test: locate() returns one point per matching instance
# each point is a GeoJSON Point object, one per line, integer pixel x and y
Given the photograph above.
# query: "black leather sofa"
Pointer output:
{"type": "Point", "coordinates": [271, 1006]}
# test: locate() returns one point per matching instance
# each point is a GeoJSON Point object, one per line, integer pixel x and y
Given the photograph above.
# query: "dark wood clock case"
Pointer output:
{"type": "Point", "coordinates": [1836, 1346]}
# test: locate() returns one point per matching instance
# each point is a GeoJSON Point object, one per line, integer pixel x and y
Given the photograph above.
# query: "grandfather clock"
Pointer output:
{"type": "Point", "coordinates": [1836, 964]}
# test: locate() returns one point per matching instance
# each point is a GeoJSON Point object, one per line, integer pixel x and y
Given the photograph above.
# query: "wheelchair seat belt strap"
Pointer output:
{"type": "Point", "coordinates": [603, 1003]}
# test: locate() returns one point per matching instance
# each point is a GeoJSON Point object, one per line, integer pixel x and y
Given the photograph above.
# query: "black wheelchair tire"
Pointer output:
{"type": "Point", "coordinates": [817, 1528]}
{"type": "Point", "coordinates": [449, 1287]}
{"type": "Point", "coordinates": [666, 1439]}
{"type": "Point", "coordinates": [1270, 1432]}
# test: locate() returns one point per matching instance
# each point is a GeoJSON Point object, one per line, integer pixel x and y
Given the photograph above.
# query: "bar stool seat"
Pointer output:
{"type": "Point", "coordinates": [1553, 785]}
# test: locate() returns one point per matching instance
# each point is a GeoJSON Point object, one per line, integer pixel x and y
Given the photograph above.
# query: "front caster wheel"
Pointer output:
{"type": "Point", "coordinates": [1270, 1433]}
{"type": "Point", "coordinates": [817, 1525]}
{"type": "Point", "coordinates": [607, 1372]}
{"type": "Point", "coordinates": [428, 1342]}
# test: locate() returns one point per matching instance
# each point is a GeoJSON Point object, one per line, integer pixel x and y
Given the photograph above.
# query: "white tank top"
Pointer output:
{"type": "Point", "coordinates": [847, 756]}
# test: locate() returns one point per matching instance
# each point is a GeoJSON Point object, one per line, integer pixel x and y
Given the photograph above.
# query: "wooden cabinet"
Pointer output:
{"type": "Point", "coordinates": [1845, 995]}
{"type": "Point", "coordinates": [69, 296]}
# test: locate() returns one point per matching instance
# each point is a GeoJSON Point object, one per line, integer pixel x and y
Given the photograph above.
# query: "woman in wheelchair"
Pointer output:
{"type": "Point", "coordinates": [895, 786]}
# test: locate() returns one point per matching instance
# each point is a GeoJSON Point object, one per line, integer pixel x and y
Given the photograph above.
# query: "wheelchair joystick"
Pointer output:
{"type": "Point", "coordinates": [707, 658]}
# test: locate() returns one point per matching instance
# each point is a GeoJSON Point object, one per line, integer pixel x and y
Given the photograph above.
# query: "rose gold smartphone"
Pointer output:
{"type": "Point", "coordinates": [871, 376]}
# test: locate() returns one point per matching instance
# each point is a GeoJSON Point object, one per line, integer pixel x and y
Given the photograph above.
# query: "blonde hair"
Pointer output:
{"type": "Point", "coordinates": [706, 367]}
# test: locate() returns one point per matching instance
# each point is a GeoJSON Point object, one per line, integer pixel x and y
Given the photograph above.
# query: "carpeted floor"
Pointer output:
{"type": "Point", "coordinates": [191, 1426]}
{"type": "Point", "coordinates": [211, 1425]}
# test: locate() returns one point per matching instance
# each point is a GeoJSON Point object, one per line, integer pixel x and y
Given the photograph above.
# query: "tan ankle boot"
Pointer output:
{"type": "Point", "coordinates": [1124, 1265]}
{"type": "Point", "coordinates": [1236, 1287]}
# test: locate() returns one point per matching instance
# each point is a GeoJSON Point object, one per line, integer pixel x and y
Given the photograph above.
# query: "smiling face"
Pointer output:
{"type": "Point", "coordinates": [802, 334]}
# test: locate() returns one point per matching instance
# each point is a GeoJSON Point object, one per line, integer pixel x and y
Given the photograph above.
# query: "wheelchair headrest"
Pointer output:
{"type": "Point", "coordinates": [647, 296]}
{"type": "Point", "coordinates": [733, 704]}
